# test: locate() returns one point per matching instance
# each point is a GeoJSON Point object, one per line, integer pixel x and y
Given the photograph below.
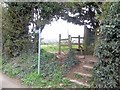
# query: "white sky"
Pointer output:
{"type": "Point", "coordinates": [51, 32]}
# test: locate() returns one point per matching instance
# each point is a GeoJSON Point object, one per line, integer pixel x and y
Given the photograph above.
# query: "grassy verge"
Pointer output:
{"type": "Point", "coordinates": [24, 67]}
{"type": "Point", "coordinates": [55, 48]}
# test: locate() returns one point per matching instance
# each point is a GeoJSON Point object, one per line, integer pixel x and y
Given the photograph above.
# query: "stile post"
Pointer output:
{"type": "Point", "coordinates": [69, 42]}
{"type": "Point", "coordinates": [59, 43]}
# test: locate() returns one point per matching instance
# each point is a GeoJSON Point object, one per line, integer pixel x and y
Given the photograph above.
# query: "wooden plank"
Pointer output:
{"type": "Point", "coordinates": [69, 42]}
{"type": "Point", "coordinates": [77, 37]}
{"type": "Point", "coordinates": [63, 39]}
{"type": "Point", "coordinates": [81, 37]}
{"type": "Point", "coordinates": [74, 37]}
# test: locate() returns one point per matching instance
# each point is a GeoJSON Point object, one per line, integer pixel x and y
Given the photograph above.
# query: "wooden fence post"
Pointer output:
{"type": "Point", "coordinates": [59, 43]}
{"type": "Point", "coordinates": [69, 42]}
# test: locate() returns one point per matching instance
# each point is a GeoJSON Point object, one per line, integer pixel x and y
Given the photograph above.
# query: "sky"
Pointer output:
{"type": "Point", "coordinates": [51, 32]}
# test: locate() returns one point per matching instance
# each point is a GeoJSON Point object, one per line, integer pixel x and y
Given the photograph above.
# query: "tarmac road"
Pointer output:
{"type": "Point", "coordinates": [7, 82]}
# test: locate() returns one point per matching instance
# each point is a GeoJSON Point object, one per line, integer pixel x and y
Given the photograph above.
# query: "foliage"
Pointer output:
{"type": "Point", "coordinates": [25, 68]}
{"type": "Point", "coordinates": [9, 70]}
{"type": "Point", "coordinates": [105, 9]}
{"type": "Point", "coordinates": [33, 79]}
{"type": "Point", "coordinates": [82, 11]}
{"type": "Point", "coordinates": [17, 16]}
{"type": "Point", "coordinates": [78, 76]}
{"type": "Point", "coordinates": [16, 19]}
{"type": "Point", "coordinates": [14, 27]}
{"type": "Point", "coordinates": [106, 71]}
{"type": "Point", "coordinates": [0, 63]}
{"type": "Point", "coordinates": [27, 63]}
{"type": "Point", "coordinates": [70, 61]}
{"type": "Point", "coordinates": [54, 48]}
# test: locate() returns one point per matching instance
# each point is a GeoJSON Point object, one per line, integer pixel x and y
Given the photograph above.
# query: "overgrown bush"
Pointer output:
{"type": "Point", "coordinates": [38, 81]}
{"type": "Point", "coordinates": [25, 68]}
{"type": "Point", "coordinates": [15, 29]}
{"type": "Point", "coordinates": [106, 71]}
{"type": "Point", "coordinates": [70, 61]}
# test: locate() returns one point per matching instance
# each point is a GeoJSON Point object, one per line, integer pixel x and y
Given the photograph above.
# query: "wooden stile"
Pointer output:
{"type": "Point", "coordinates": [69, 42]}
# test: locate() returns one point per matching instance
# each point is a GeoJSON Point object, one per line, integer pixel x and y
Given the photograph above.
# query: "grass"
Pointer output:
{"type": "Point", "coordinates": [55, 48]}
{"type": "Point", "coordinates": [9, 70]}
{"type": "Point", "coordinates": [38, 81]}
{"type": "Point", "coordinates": [25, 68]}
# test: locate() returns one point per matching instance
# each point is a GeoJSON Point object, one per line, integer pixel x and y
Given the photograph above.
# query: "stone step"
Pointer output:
{"type": "Point", "coordinates": [87, 67]}
{"type": "Point", "coordinates": [80, 56]}
{"type": "Point", "coordinates": [83, 75]}
{"type": "Point", "coordinates": [90, 62]}
{"type": "Point", "coordinates": [78, 82]}
{"type": "Point", "coordinates": [93, 61]}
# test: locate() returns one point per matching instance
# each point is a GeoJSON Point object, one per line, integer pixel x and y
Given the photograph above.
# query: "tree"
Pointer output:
{"type": "Point", "coordinates": [106, 71]}
{"type": "Point", "coordinates": [20, 15]}
{"type": "Point", "coordinates": [83, 13]}
{"type": "Point", "coordinates": [86, 13]}
{"type": "Point", "coordinates": [15, 31]}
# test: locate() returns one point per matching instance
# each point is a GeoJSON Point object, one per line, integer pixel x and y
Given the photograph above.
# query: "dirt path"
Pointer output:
{"type": "Point", "coordinates": [7, 82]}
{"type": "Point", "coordinates": [83, 69]}
{"type": "Point", "coordinates": [81, 73]}
{"type": "Point", "coordinates": [79, 67]}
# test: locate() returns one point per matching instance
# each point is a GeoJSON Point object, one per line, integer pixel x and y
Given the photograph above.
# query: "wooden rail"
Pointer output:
{"type": "Point", "coordinates": [69, 43]}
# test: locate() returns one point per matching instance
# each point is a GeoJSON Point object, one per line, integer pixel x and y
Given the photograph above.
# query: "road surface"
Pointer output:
{"type": "Point", "coordinates": [6, 82]}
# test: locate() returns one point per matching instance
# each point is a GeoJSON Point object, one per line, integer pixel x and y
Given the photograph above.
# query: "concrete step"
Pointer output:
{"type": "Point", "coordinates": [83, 75]}
{"type": "Point", "coordinates": [79, 82]}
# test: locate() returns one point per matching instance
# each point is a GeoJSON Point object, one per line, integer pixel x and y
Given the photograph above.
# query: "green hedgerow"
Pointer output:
{"type": "Point", "coordinates": [106, 71]}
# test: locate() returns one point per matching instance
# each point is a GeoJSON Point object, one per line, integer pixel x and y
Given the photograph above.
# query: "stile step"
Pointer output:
{"type": "Point", "coordinates": [92, 61]}
{"type": "Point", "coordinates": [83, 75]}
{"type": "Point", "coordinates": [81, 57]}
{"type": "Point", "coordinates": [86, 66]}
{"type": "Point", "coordinates": [79, 83]}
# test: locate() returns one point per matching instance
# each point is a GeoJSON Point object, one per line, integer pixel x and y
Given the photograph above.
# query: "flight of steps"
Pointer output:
{"type": "Point", "coordinates": [82, 76]}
